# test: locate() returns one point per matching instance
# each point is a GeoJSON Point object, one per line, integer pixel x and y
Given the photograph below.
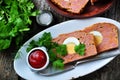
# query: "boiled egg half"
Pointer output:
{"type": "Point", "coordinates": [70, 42]}
{"type": "Point", "coordinates": [97, 36]}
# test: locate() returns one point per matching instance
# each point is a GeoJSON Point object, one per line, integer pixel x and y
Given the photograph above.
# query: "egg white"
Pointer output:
{"type": "Point", "coordinates": [70, 43]}
{"type": "Point", "coordinates": [71, 40]}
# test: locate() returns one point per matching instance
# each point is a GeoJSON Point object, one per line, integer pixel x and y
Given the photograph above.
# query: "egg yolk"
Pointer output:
{"type": "Point", "coordinates": [97, 36]}
{"type": "Point", "coordinates": [98, 40]}
{"type": "Point", "coordinates": [70, 48]}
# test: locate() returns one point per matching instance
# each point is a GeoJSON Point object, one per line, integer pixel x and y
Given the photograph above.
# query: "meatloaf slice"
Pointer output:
{"type": "Point", "coordinates": [109, 33]}
{"type": "Point", "coordinates": [85, 38]}
{"type": "Point", "coordinates": [73, 6]}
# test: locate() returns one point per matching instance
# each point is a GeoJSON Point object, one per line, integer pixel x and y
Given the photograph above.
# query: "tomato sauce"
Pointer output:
{"type": "Point", "coordinates": [37, 59]}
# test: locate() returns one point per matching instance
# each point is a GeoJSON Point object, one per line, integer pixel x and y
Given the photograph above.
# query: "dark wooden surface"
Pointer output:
{"type": "Point", "coordinates": [109, 72]}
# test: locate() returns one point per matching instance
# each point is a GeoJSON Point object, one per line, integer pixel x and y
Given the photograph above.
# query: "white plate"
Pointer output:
{"type": "Point", "coordinates": [22, 69]}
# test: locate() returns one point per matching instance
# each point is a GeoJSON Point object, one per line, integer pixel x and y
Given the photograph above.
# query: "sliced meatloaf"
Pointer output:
{"type": "Point", "coordinates": [109, 33]}
{"type": "Point", "coordinates": [73, 6]}
{"type": "Point", "coordinates": [85, 38]}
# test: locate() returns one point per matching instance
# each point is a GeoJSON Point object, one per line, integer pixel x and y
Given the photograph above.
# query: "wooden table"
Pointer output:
{"type": "Point", "coordinates": [109, 72]}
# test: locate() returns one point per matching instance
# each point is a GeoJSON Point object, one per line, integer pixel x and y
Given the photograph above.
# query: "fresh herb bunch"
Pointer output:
{"type": "Point", "coordinates": [14, 21]}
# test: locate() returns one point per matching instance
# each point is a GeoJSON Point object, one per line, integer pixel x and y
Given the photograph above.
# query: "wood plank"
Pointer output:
{"type": "Point", "coordinates": [6, 67]}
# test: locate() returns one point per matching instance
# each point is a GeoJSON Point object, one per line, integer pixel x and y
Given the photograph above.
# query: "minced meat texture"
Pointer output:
{"type": "Point", "coordinates": [85, 38]}
{"type": "Point", "coordinates": [73, 6]}
{"type": "Point", "coordinates": [110, 35]}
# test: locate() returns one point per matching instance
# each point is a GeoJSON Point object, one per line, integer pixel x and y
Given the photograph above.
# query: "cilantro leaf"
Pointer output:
{"type": "Point", "coordinates": [45, 39]}
{"type": "Point", "coordinates": [61, 50]}
{"type": "Point", "coordinates": [52, 55]}
{"type": "Point", "coordinates": [58, 64]}
{"type": "Point", "coordinates": [3, 44]}
{"type": "Point", "coordinates": [80, 49]}
{"type": "Point", "coordinates": [31, 45]}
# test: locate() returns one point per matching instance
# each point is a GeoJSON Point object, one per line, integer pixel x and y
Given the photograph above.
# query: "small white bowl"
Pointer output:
{"type": "Point", "coordinates": [47, 61]}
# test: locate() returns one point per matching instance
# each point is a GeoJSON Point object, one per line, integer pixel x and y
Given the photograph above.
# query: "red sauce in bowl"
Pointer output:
{"type": "Point", "coordinates": [37, 59]}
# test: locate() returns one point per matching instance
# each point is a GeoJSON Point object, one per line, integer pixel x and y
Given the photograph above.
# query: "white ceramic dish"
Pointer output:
{"type": "Point", "coordinates": [23, 70]}
{"type": "Point", "coordinates": [47, 57]}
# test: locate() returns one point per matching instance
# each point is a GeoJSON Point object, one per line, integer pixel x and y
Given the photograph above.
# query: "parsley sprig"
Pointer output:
{"type": "Point", "coordinates": [14, 21]}
{"type": "Point", "coordinates": [58, 64]}
{"type": "Point", "coordinates": [80, 49]}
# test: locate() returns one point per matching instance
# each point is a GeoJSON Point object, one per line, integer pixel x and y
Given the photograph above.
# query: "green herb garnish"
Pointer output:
{"type": "Point", "coordinates": [52, 55]}
{"type": "Point", "coordinates": [58, 64]}
{"type": "Point", "coordinates": [80, 49]}
{"type": "Point", "coordinates": [61, 50]}
{"type": "Point", "coordinates": [14, 21]}
{"type": "Point", "coordinates": [32, 45]}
